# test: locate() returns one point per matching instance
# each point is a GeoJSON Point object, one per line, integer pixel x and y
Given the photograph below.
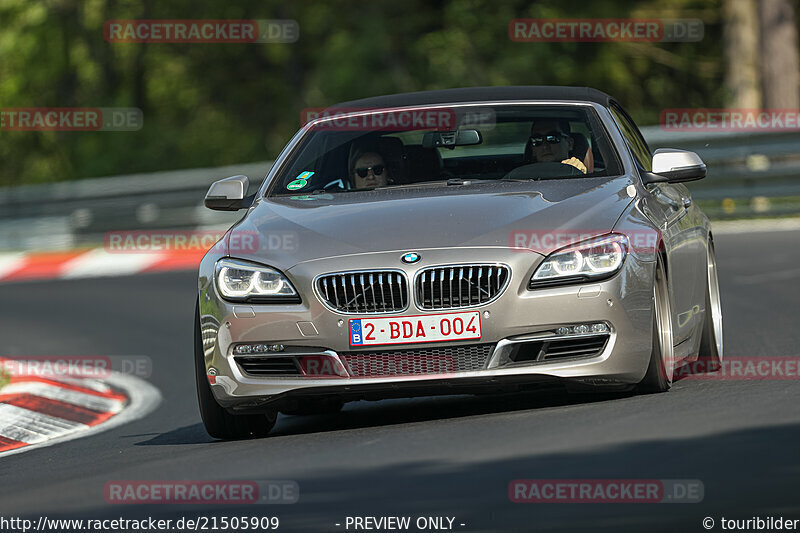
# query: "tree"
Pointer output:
{"type": "Point", "coordinates": [780, 74]}
{"type": "Point", "coordinates": [741, 39]}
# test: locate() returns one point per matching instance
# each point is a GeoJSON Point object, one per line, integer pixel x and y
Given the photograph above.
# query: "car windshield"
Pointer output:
{"type": "Point", "coordinates": [354, 150]}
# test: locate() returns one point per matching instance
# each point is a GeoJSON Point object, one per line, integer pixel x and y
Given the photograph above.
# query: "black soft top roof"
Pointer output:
{"type": "Point", "coordinates": [480, 94]}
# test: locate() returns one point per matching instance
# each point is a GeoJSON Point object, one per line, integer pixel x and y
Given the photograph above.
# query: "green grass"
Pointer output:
{"type": "Point", "coordinates": [4, 378]}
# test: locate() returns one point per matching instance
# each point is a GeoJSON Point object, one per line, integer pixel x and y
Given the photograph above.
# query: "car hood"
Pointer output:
{"type": "Point", "coordinates": [537, 216]}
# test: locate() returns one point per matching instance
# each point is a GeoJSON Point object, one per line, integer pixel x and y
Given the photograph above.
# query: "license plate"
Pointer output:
{"type": "Point", "coordinates": [415, 329]}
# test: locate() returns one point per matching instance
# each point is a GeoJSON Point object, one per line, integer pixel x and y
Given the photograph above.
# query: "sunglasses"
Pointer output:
{"type": "Point", "coordinates": [376, 169]}
{"type": "Point", "coordinates": [552, 137]}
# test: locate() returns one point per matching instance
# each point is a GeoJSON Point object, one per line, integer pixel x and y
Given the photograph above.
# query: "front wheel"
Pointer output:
{"type": "Point", "coordinates": [662, 356]}
{"type": "Point", "coordinates": [219, 423]}
{"type": "Point", "coordinates": [711, 341]}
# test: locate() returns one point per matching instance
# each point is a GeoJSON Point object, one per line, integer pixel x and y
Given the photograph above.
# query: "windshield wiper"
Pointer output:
{"type": "Point", "coordinates": [467, 181]}
{"type": "Point", "coordinates": [404, 185]}
{"type": "Point", "coordinates": [450, 183]}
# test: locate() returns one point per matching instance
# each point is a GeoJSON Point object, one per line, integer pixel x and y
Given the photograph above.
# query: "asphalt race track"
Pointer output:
{"type": "Point", "coordinates": [452, 456]}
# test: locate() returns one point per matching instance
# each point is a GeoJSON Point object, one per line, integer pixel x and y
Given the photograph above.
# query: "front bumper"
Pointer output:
{"type": "Point", "coordinates": [623, 302]}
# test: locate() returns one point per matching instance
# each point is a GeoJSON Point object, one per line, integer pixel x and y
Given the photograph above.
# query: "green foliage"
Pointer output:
{"type": "Point", "coordinates": [219, 104]}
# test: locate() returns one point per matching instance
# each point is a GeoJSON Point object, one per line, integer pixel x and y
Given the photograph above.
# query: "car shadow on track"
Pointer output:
{"type": "Point", "coordinates": [366, 414]}
{"type": "Point", "coordinates": [744, 473]}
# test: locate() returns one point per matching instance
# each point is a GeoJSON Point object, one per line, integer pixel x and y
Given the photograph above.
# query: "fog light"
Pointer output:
{"type": "Point", "coordinates": [583, 329]}
{"type": "Point", "coordinates": [245, 349]}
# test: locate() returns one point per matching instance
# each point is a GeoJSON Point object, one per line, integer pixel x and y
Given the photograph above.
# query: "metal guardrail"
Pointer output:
{"type": "Point", "coordinates": [76, 213]}
{"type": "Point", "coordinates": [748, 174]}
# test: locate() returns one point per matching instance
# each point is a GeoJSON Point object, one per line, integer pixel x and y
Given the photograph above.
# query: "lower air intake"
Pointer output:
{"type": "Point", "coordinates": [443, 360]}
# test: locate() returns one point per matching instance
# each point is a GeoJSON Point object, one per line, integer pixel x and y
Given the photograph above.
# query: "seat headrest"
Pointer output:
{"type": "Point", "coordinates": [423, 163]}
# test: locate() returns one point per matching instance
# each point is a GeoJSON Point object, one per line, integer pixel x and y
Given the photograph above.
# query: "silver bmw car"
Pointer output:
{"type": "Point", "coordinates": [452, 242]}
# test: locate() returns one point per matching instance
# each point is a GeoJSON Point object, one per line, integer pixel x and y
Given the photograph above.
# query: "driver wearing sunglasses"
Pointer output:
{"type": "Point", "coordinates": [369, 170]}
{"type": "Point", "coordinates": [550, 143]}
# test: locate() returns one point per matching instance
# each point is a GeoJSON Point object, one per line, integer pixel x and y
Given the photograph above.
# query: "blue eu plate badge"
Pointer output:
{"type": "Point", "coordinates": [355, 332]}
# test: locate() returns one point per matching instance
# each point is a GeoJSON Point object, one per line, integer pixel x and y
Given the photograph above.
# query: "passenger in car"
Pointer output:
{"type": "Point", "coordinates": [368, 169]}
{"type": "Point", "coordinates": [550, 141]}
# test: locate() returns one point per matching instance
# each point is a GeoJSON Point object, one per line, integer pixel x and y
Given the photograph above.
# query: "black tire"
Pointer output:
{"type": "Point", "coordinates": [322, 406]}
{"type": "Point", "coordinates": [659, 377]}
{"type": "Point", "coordinates": [219, 423]}
{"type": "Point", "coordinates": [711, 348]}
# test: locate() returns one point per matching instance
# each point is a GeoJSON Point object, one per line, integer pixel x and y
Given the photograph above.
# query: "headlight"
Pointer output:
{"type": "Point", "coordinates": [242, 281]}
{"type": "Point", "coordinates": [592, 259]}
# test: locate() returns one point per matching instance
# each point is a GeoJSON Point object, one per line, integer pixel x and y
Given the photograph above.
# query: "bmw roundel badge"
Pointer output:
{"type": "Point", "coordinates": [411, 257]}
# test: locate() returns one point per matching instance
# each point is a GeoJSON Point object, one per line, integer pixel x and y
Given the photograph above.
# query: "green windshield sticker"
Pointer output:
{"type": "Point", "coordinates": [300, 181]}
{"type": "Point", "coordinates": [296, 184]}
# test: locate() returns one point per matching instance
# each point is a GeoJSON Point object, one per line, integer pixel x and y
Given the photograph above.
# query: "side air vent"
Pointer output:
{"type": "Point", "coordinates": [268, 366]}
{"type": "Point", "coordinates": [548, 350]}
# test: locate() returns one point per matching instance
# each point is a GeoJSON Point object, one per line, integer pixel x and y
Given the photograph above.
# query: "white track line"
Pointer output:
{"type": "Point", "coordinates": [10, 263]}
{"type": "Point", "coordinates": [143, 399]}
{"type": "Point", "coordinates": [54, 392]}
{"type": "Point", "coordinates": [99, 262]}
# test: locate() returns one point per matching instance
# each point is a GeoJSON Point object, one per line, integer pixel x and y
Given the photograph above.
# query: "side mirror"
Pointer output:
{"type": "Point", "coordinates": [675, 166]}
{"type": "Point", "coordinates": [229, 194]}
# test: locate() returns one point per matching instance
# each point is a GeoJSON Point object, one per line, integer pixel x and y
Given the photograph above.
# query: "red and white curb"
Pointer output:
{"type": "Point", "coordinates": [40, 411]}
{"type": "Point", "coordinates": [97, 262]}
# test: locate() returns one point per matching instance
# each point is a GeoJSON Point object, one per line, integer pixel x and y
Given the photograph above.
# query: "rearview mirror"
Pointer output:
{"type": "Point", "coordinates": [451, 139]}
{"type": "Point", "coordinates": [229, 194]}
{"type": "Point", "coordinates": [675, 166]}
